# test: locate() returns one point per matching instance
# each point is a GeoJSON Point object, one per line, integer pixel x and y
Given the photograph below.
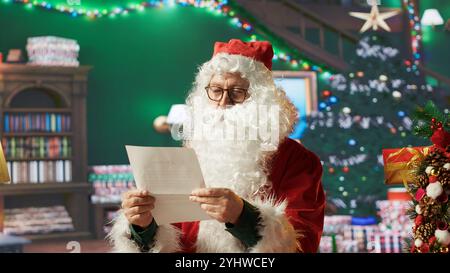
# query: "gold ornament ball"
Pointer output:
{"type": "Point", "coordinates": [434, 172]}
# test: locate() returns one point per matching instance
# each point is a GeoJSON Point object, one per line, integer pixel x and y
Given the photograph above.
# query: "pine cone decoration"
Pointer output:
{"type": "Point", "coordinates": [422, 181]}
{"type": "Point", "coordinates": [425, 231]}
{"type": "Point", "coordinates": [430, 207]}
{"type": "Point", "coordinates": [444, 177]}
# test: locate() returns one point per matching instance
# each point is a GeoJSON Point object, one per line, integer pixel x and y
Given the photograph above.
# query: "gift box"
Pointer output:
{"type": "Point", "coordinates": [399, 164]}
{"type": "Point", "coordinates": [385, 242]}
{"type": "Point", "coordinates": [398, 194]}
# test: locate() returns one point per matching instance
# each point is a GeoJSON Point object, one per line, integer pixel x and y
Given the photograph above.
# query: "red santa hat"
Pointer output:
{"type": "Point", "coordinates": [259, 51]}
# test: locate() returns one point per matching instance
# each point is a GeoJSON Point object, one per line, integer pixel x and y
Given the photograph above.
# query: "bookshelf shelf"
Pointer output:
{"type": "Point", "coordinates": [40, 158]}
{"type": "Point", "coordinates": [43, 188]}
{"type": "Point", "coordinates": [48, 106]}
{"type": "Point", "coordinates": [37, 110]}
{"type": "Point", "coordinates": [31, 134]}
{"type": "Point", "coordinates": [58, 236]}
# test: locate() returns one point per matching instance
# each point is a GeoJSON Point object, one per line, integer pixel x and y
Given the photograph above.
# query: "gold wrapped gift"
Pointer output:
{"type": "Point", "coordinates": [399, 164]}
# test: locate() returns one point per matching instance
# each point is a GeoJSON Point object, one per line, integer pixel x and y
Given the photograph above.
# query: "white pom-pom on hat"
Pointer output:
{"type": "Point", "coordinates": [434, 190]}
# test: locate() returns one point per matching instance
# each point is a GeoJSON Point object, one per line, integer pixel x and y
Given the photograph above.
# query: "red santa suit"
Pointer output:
{"type": "Point", "coordinates": [291, 210]}
{"type": "Point", "coordinates": [291, 221]}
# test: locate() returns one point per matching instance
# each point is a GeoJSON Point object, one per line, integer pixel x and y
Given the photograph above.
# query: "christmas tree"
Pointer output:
{"type": "Point", "coordinates": [365, 110]}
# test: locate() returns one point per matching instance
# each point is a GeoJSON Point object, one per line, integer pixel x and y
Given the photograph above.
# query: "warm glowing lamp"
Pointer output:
{"type": "Point", "coordinates": [432, 17]}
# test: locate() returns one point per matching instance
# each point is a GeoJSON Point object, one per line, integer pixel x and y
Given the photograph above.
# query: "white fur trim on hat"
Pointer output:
{"type": "Point", "coordinates": [166, 238]}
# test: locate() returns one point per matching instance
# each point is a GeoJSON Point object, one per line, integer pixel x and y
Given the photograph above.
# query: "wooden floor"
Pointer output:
{"type": "Point", "coordinates": [85, 246]}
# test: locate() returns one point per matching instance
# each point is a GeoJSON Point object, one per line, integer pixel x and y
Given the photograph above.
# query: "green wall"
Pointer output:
{"type": "Point", "coordinates": [436, 42]}
{"type": "Point", "coordinates": [142, 64]}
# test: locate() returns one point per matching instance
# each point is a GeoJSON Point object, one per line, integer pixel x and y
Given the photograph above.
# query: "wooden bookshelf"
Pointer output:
{"type": "Point", "coordinates": [40, 90]}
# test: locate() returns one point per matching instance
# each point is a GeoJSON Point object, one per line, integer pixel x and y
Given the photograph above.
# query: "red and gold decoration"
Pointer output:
{"type": "Point", "coordinates": [425, 172]}
{"type": "Point", "coordinates": [430, 186]}
{"type": "Point", "coordinates": [399, 164]}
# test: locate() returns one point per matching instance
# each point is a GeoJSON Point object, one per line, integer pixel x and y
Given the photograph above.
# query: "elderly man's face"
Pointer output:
{"type": "Point", "coordinates": [227, 89]}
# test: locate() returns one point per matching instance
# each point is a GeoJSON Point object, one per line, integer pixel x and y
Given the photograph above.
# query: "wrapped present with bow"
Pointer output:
{"type": "Point", "coordinates": [399, 164]}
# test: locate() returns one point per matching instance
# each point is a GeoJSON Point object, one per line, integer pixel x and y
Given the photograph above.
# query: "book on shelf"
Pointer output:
{"type": "Point", "coordinates": [36, 122]}
{"type": "Point", "coordinates": [16, 148]}
{"type": "Point", "coordinates": [40, 171]}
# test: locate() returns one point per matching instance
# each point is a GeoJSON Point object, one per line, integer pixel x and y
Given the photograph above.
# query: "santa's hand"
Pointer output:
{"type": "Point", "coordinates": [221, 204]}
{"type": "Point", "coordinates": [137, 206]}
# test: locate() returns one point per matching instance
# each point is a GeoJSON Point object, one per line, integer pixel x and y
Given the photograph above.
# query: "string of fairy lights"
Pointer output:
{"type": "Point", "coordinates": [416, 35]}
{"type": "Point", "coordinates": [219, 7]}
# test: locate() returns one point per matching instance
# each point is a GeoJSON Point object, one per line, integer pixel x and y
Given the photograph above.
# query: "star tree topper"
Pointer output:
{"type": "Point", "coordinates": [374, 19]}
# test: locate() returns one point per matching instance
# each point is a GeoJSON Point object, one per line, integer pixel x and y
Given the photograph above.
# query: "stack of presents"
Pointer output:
{"type": "Point", "coordinates": [390, 228]}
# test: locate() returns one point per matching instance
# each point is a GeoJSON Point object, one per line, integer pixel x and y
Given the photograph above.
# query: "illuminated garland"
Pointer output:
{"type": "Point", "coordinates": [217, 6]}
{"type": "Point", "coordinates": [416, 35]}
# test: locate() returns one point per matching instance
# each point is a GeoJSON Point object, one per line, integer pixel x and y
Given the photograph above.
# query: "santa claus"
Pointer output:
{"type": "Point", "coordinates": [263, 190]}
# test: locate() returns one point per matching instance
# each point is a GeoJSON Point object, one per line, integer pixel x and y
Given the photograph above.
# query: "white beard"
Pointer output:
{"type": "Point", "coordinates": [235, 164]}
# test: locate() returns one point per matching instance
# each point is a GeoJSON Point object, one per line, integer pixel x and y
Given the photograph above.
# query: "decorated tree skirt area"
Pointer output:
{"type": "Point", "coordinates": [415, 220]}
{"type": "Point", "coordinates": [384, 233]}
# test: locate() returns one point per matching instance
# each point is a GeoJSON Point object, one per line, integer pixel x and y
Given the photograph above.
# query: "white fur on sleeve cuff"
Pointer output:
{"type": "Point", "coordinates": [166, 238]}
{"type": "Point", "coordinates": [277, 234]}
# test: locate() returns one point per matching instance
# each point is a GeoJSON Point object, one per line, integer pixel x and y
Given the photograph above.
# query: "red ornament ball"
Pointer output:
{"type": "Point", "coordinates": [433, 120]}
{"type": "Point", "coordinates": [432, 179]}
{"type": "Point", "coordinates": [326, 93]}
{"type": "Point", "coordinates": [331, 170]}
{"type": "Point", "coordinates": [439, 125]}
{"type": "Point", "coordinates": [346, 169]}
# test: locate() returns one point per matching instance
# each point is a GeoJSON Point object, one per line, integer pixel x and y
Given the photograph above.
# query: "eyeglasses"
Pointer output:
{"type": "Point", "coordinates": [236, 95]}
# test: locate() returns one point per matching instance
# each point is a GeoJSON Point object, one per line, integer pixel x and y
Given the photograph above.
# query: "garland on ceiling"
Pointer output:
{"type": "Point", "coordinates": [219, 7]}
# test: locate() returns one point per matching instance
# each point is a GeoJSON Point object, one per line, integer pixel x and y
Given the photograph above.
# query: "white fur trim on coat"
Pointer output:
{"type": "Point", "coordinates": [167, 238]}
{"type": "Point", "coordinates": [213, 238]}
{"type": "Point", "coordinates": [277, 233]}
